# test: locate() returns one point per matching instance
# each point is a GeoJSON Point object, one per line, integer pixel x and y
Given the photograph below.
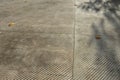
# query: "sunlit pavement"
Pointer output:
{"type": "Point", "coordinates": [36, 39]}
{"type": "Point", "coordinates": [55, 40]}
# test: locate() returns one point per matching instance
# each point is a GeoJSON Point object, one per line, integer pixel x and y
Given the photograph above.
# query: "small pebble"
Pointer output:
{"type": "Point", "coordinates": [11, 24]}
{"type": "Point", "coordinates": [98, 36]}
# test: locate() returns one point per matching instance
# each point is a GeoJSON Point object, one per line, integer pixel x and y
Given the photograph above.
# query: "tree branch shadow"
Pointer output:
{"type": "Point", "coordinates": [98, 5]}
{"type": "Point", "coordinates": [106, 55]}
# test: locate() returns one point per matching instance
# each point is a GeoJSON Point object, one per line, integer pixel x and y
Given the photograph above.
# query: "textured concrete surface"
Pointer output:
{"type": "Point", "coordinates": [96, 59]}
{"type": "Point", "coordinates": [55, 40]}
{"type": "Point", "coordinates": [39, 46]}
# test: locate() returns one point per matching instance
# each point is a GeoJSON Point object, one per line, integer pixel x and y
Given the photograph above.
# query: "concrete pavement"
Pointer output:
{"type": "Point", "coordinates": [96, 58]}
{"type": "Point", "coordinates": [55, 40]}
{"type": "Point", "coordinates": [39, 46]}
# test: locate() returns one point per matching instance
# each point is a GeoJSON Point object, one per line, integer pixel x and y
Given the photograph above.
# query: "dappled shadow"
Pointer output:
{"type": "Point", "coordinates": [104, 40]}
{"type": "Point", "coordinates": [114, 20]}
{"type": "Point", "coordinates": [98, 5]}
{"type": "Point", "coordinates": [107, 55]}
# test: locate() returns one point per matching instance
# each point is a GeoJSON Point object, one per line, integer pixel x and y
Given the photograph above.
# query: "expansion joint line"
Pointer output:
{"type": "Point", "coordinates": [74, 39]}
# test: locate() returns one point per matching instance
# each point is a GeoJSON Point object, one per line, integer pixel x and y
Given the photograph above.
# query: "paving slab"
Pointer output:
{"type": "Point", "coordinates": [39, 43]}
{"type": "Point", "coordinates": [97, 55]}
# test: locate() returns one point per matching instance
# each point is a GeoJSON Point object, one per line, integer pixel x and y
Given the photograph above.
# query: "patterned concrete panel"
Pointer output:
{"type": "Point", "coordinates": [39, 46]}
{"type": "Point", "coordinates": [35, 56]}
{"type": "Point", "coordinates": [97, 55]}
